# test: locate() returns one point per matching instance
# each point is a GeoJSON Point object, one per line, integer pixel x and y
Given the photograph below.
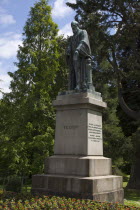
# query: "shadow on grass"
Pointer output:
{"type": "Point", "coordinates": [132, 195]}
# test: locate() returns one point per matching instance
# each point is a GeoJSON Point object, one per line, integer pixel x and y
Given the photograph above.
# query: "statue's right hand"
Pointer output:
{"type": "Point", "coordinates": [76, 54]}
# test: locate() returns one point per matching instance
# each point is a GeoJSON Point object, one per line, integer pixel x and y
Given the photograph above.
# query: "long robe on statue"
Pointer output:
{"type": "Point", "coordinates": [79, 42]}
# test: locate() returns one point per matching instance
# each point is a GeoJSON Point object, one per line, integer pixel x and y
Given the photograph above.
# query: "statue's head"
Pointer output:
{"type": "Point", "coordinates": [75, 26]}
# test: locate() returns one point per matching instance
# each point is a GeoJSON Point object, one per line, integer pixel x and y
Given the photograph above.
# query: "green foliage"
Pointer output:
{"type": "Point", "coordinates": [27, 120]}
{"type": "Point", "coordinates": [112, 132]}
{"type": "Point", "coordinates": [132, 198]}
{"type": "Point", "coordinates": [14, 184]}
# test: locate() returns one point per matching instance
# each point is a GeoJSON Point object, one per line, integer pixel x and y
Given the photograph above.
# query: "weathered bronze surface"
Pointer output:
{"type": "Point", "coordinates": [79, 59]}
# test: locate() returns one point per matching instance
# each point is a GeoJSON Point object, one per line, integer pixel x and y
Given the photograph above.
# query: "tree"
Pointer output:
{"type": "Point", "coordinates": [116, 54]}
{"type": "Point", "coordinates": [102, 18]}
{"type": "Point", "coordinates": [28, 127]}
{"type": "Point", "coordinates": [90, 16]}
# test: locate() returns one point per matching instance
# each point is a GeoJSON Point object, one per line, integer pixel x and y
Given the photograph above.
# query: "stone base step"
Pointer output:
{"type": "Point", "coordinates": [87, 166]}
{"type": "Point", "coordinates": [112, 196]}
{"type": "Point", "coordinates": [103, 188]}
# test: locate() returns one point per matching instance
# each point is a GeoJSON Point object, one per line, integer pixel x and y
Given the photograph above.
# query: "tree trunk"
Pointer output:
{"type": "Point", "coordinates": [133, 114]}
{"type": "Point", "coordinates": [134, 181]}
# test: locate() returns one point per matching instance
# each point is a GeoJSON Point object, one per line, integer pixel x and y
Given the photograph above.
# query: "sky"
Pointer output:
{"type": "Point", "coordinates": [13, 15]}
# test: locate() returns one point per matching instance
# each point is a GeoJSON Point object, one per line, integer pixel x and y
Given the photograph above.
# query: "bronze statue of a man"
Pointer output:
{"type": "Point", "coordinates": [79, 59]}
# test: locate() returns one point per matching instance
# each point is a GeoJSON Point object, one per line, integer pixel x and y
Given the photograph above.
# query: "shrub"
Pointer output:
{"type": "Point", "coordinates": [27, 201]}
{"type": "Point", "coordinates": [13, 184]}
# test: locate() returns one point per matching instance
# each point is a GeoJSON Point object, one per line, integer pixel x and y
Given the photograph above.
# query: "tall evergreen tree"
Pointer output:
{"type": "Point", "coordinates": [29, 132]}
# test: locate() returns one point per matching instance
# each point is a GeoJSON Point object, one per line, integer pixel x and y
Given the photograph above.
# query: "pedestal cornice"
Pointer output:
{"type": "Point", "coordinates": [81, 100]}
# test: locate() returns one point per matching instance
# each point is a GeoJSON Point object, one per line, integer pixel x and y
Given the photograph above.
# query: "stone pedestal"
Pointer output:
{"type": "Point", "coordinates": [78, 168]}
{"type": "Point", "coordinates": [78, 125]}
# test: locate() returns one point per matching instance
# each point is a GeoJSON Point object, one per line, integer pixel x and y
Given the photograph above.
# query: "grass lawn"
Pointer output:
{"type": "Point", "coordinates": [132, 197]}
{"type": "Point", "coordinates": [26, 188]}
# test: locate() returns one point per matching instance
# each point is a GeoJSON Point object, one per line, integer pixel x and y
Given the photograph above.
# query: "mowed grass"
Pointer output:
{"type": "Point", "coordinates": [132, 197]}
{"type": "Point", "coordinates": [26, 189]}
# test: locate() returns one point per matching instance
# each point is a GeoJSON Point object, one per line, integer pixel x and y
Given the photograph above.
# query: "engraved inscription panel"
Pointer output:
{"type": "Point", "coordinates": [70, 130]}
{"type": "Point", "coordinates": [94, 132]}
